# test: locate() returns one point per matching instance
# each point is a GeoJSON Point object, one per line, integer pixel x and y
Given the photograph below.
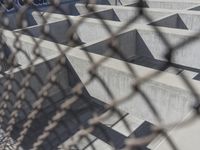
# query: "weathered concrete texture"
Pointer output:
{"type": "Point", "coordinates": [126, 13]}
{"type": "Point", "coordinates": [185, 55]}
{"type": "Point", "coordinates": [185, 138]}
{"type": "Point", "coordinates": [106, 15]}
{"type": "Point", "coordinates": [71, 9]}
{"type": "Point", "coordinates": [166, 4]}
{"type": "Point", "coordinates": [36, 82]}
{"type": "Point", "coordinates": [176, 97]}
{"type": "Point", "coordinates": [139, 43]}
{"type": "Point", "coordinates": [120, 81]}
{"type": "Point", "coordinates": [142, 48]}
{"type": "Point", "coordinates": [116, 78]}
{"type": "Point", "coordinates": [180, 20]}
{"type": "Point", "coordinates": [106, 12]}
{"type": "Point", "coordinates": [59, 30]}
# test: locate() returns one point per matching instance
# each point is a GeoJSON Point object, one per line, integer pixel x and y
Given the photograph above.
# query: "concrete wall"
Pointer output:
{"type": "Point", "coordinates": [86, 31]}
{"type": "Point", "coordinates": [148, 44]}
{"type": "Point", "coordinates": [191, 20]}
{"type": "Point", "coordinates": [187, 55]}
{"type": "Point", "coordinates": [170, 5]}
{"type": "Point", "coordinates": [27, 48]}
{"type": "Point", "coordinates": [127, 46]}
{"type": "Point", "coordinates": [73, 9]}
{"type": "Point", "coordinates": [128, 13]}
{"type": "Point", "coordinates": [106, 15]}
{"type": "Point", "coordinates": [167, 93]}
{"type": "Point", "coordinates": [173, 21]}
{"type": "Point", "coordinates": [181, 20]}
{"type": "Point", "coordinates": [167, 4]}
{"type": "Point", "coordinates": [167, 90]}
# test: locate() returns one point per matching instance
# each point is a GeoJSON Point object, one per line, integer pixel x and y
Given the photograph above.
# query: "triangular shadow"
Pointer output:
{"type": "Point", "coordinates": [142, 4]}
{"type": "Point", "coordinates": [106, 15]}
{"type": "Point", "coordinates": [58, 36]}
{"type": "Point", "coordinates": [144, 57]}
{"type": "Point", "coordinates": [180, 23]}
{"type": "Point", "coordinates": [173, 21]}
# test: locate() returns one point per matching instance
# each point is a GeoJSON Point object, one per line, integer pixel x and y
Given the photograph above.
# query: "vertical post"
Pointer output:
{"type": "Point", "coordinates": [115, 2]}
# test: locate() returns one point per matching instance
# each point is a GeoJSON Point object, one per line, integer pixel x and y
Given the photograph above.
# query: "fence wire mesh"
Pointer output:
{"type": "Point", "coordinates": [74, 73]}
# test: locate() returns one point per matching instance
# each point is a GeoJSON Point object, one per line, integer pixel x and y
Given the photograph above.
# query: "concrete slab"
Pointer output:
{"type": "Point", "coordinates": [166, 4]}
{"type": "Point", "coordinates": [58, 31]}
{"type": "Point", "coordinates": [115, 75]}
{"type": "Point", "coordinates": [180, 20]}
{"type": "Point", "coordinates": [115, 79]}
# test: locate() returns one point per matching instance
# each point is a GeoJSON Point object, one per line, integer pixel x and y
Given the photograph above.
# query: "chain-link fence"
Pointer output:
{"type": "Point", "coordinates": [104, 74]}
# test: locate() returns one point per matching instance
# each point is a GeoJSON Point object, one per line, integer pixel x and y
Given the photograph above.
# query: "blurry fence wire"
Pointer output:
{"type": "Point", "coordinates": [40, 108]}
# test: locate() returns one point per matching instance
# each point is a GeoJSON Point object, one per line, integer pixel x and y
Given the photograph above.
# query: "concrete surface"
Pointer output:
{"type": "Point", "coordinates": [143, 50]}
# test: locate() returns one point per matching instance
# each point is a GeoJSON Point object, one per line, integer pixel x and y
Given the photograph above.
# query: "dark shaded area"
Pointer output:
{"type": "Point", "coordinates": [105, 15]}
{"type": "Point", "coordinates": [117, 140]}
{"type": "Point", "coordinates": [100, 2]}
{"type": "Point", "coordinates": [30, 19]}
{"type": "Point", "coordinates": [109, 136]}
{"type": "Point", "coordinates": [143, 130]}
{"type": "Point", "coordinates": [180, 23]}
{"type": "Point", "coordinates": [77, 116]}
{"type": "Point", "coordinates": [197, 77]}
{"type": "Point", "coordinates": [69, 7]}
{"type": "Point", "coordinates": [139, 54]}
{"type": "Point", "coordinates": [57, 33]}
{"type": "Point", "coordinates": [173, 21]}
{"type": "Point", "coordinates": [4, 61]}
{"type": "Point", "coordinates": [142, 4]}
{"type": "Point", "coordinates": [141, 47]}
{"type": "Point", "coordinates": [197, 8]}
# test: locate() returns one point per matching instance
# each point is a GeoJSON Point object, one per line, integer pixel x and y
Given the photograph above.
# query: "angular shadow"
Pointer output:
{"type": "Point", "coordinates": [141, 47]}
{"type": "Point", "coordinates": [197, 77]}
{"type": "Point", "coordinates": [57, 33]}
{"type": "Point", "coordinates": [197, 8]}
{"type": "Point", "coordinates": [64, 8]}
{"type": "Point", "coordinates": [173, 21]}
{"type": "Point", "coordinates": [117, 140]}
{"type": "Point", "coordinates": [106, 15]}
{"type": "Point", "coordinates": [142, 4]}
{"type": "Point", "coordinates": [100, 2]}
{"type": "Point", "coordinates": [180, 23]}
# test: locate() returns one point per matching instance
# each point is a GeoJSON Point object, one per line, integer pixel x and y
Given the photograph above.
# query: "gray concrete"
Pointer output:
{"type": "Point", "coordinates": [166, 4]}
{"type": "Point", "coordinates": [115, 78]}
{"type": "Point", "coordinates": [140, 45]}
{"type": "Point", "coordinates": [58, 30]}
{"type": "Point", "coordinates": [180, 20]}
{"type": "Point", "coordinates": [115, 75]}
{"type": "Point", "coordinates": [176, 95]}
